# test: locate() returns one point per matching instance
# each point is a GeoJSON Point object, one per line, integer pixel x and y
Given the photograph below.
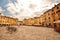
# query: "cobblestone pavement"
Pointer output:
{"type": "Point", "coordinates": [29, 33]}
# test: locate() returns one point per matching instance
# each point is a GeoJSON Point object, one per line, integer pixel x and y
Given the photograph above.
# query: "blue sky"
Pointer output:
{"type": "Point", "coordinates": [3, 4]}
{"type": "Point", "coordinates": [25, 8]}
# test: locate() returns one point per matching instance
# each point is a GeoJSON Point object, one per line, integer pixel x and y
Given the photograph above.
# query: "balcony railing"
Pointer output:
{"type": "Point", "coordinates": [58, 11]}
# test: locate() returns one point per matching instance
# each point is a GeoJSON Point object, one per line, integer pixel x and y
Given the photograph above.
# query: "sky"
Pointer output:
{"type": "Point", "coordinates": [22, 9]}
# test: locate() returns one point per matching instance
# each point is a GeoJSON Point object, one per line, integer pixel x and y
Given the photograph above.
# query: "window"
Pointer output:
{"type": "Point", "coordinates": [52, 10]}
{"type": "Point", "coordinates": [45, 18]}
{"type": "Point", "coordinates": [49, 17]}
{"type": "Point", "coordinates": [54, 20]}
{"type": "Point", "coordinates": [39, 22]}
{"type": "Point", "coordinates": [48, 14]}
{"type": "Point", "coordinates": [59, 18]}
{"type": "Point", "coordinates": [57, 7]}
{"type": "Point", "coordinates": [53, 13]}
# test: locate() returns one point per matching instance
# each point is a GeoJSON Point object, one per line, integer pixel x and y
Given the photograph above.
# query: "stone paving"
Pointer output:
{"type": "Point", "coordinates": [29, 33]}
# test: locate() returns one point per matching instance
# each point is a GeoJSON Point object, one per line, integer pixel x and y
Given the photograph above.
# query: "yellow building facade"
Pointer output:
{"type": "Point", "coordinates": [36, 21]}
{"type": "Point", "coordinates": [29, 21]}
{"type": "Point", "coordinates": [4, 20]}
{"type": "Point", "coordinates": [57, 14]}
{"type": "Point", "coordinates": [20, 23]}
{"type": "Point", "coordinates": [47, 19]}
{"type": "Point", "coordinates": [51, 16]}
{"type": "Point", "coordinates": [25, 22]}
{"type": "Point", "coordinates": [40, 20]}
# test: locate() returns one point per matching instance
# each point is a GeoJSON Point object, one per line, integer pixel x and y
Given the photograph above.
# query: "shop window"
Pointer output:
{"type": "Point", "coordinates": [59, 24]}
{"type": "Point", "coordinates": [49, 24]}
{"type": "Point", "coordinates": [46, 24]}
{"type": "Point", "coordinates": [43, 23]}
{"type": "Point", "coordinates": [55, 25]}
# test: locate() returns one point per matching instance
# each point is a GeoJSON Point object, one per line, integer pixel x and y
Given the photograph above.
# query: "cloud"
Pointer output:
{"type": "Point", "coordinates": [17, 10]}
{"type": "Point", "coordinates": [32, 6]}
{"type": "Point", "coordinates": [11, 8]}
{"type": "Point", "coordinates": [29, 8]}
{"type": "Point", "coordinates": [47, 1]}
{"type": "Point", "coordinates": [0, 9]}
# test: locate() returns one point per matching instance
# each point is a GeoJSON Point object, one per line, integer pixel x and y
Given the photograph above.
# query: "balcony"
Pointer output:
{"type": "Point", "coordinates": [58, 11]}
{"type": "Point", "coordinates": [58, 21]}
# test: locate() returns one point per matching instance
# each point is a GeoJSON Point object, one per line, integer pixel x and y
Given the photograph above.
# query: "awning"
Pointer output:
{"type": "Point", "coordinates": [58, 21]}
